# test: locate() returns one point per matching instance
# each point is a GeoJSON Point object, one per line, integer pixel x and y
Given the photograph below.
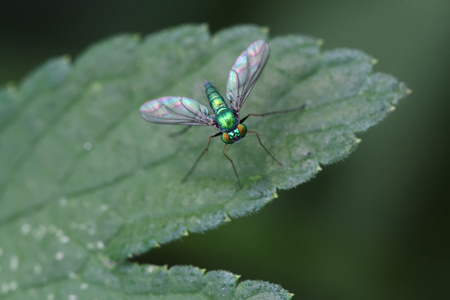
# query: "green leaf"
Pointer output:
{"type": "Point", "coordinates": [85, 183]}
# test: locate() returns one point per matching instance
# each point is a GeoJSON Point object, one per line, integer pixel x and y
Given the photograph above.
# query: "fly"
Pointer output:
{"type": "Point", "coordinates": [241, 80]}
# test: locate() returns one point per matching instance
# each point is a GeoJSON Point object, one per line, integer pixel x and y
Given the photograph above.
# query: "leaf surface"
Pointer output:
{"type": "Point", "coordinates": [85, 182]}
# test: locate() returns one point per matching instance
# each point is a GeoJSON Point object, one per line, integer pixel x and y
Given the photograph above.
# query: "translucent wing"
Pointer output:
{"type": "Point", "coordinates": [245, 72]}
{"type": "Point", "coordinates": [176, 110]}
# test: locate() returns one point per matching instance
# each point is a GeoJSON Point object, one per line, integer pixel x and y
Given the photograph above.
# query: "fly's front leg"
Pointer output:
{"type": "Point", "coordinates": [201, 155]}
{"type": "Point", "coordinates": [232, 164]}
{"type": "Point", "coordinates": [264, 147]}
{"type": "Point", "coordinates": [268, 114]}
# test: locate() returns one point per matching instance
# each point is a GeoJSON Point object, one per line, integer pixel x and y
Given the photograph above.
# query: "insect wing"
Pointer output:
{"type": "Point", "coordinates": [245, 72]}
{"type": "Point", "coordinates": [176, 110]}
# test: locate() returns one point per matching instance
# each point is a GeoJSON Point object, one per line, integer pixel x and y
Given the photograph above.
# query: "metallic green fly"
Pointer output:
{"type": "Point", "coordinates": [241, 80]}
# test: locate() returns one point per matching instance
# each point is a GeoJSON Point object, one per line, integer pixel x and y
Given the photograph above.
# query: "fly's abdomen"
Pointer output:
{"type": "Point", "coordinates": [224, 116]}
{"type": "Point", "coordinates": [215, 99]}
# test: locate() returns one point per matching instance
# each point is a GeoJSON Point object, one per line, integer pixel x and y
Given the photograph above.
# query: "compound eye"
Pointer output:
{"type": "Point", "coordinates": [226, 138]}
{"type": "Point", "coordinates": [242, 130]}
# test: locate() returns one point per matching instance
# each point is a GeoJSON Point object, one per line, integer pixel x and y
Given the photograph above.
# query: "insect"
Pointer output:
{"type": "Point", "coordinates": [241, 80]}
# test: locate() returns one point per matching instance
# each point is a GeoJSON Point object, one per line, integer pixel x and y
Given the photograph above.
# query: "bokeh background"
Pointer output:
{"type": "Point", "coordinates": [374, 226]}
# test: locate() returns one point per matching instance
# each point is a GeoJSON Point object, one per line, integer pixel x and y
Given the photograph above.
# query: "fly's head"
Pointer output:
{"type": "Point", "coordinates": [235, 135]}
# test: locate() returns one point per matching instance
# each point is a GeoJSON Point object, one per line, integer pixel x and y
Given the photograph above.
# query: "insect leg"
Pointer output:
{"type": "Point", "coordinates": [275, 112]}
{"type": "Point", "coordinates": [232, 164]}
{"type": "Point", "coordinates": [181, 132]}
{"type": "Point", "coordinates": [198, 158]}
{"type": "Point", "coordinates": [262, 145]}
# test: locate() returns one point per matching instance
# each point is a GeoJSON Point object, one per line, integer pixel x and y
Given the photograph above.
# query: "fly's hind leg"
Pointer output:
{"type": "Point", "coordinates": [278, 112]}
{"type": "Point", "coordinates": [181, 132]}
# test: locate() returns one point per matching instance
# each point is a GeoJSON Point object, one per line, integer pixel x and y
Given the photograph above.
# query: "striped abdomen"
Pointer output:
{"type": "Point", "coordinates": [224, 116]}
{"type": "Point", "coordinates": [215, 99]}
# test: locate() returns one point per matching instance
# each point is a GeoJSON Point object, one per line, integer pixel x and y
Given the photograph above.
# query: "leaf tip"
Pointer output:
{"type": "Point", "coordinates": [357, 140]}
{"type": "Point", "coordinates": [137, 36]}
{"type": "Point", "coordinates": [66, 58]}
{"type": "Point", "coordinates": [374, 61]}
{"type": "Point", "coordinates": [409, 91]}
{"type": "Point", "coordinates": [204, 26]}
{"type": "Point", "coordinates": [185, 233]}
{"type": "Point", "coordinates": [320, 42]}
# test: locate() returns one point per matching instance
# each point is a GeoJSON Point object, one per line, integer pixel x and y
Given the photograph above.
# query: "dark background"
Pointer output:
{"type": "Point", "coordinates": [375, 226]}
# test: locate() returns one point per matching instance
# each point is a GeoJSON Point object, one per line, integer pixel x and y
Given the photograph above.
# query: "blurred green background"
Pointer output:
{"type": "Point", "coordinates": [375, 226]}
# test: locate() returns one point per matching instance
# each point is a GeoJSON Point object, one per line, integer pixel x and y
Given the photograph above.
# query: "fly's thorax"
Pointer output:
{"type": "Point", "coordinates": [234, 135]}
{"type": "Point", "coordinates": [226, 120]}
